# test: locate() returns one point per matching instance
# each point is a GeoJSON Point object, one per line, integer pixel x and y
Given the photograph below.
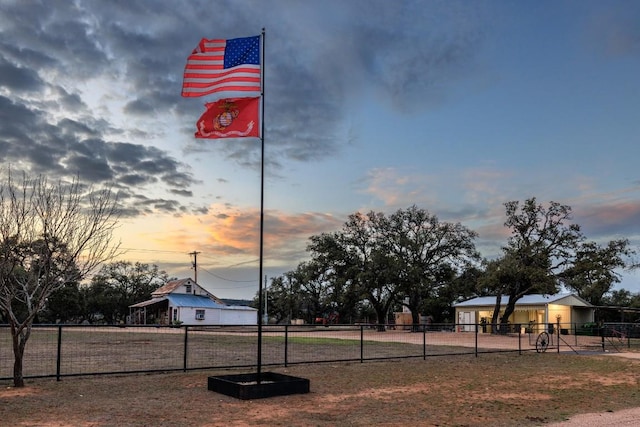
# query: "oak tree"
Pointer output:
{"type": "Point", "coordinates": [542, 243]}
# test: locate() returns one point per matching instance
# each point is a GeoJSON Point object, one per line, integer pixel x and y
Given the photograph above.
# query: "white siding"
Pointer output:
{"type": "Point", "coordinates": [211, 316]}
{"type": "Point", "coordinates": [218, 316]}
{"type": "Point", "coordinates": [239, 316]}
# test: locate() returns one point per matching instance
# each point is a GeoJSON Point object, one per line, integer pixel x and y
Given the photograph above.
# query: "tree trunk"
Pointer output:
{"type": "Point", "coordinates": [415, 315]}
{"type": "Point", "coordinates": [381, 314]}
{"type": "Point", "coordinates": [508, 311]}
{"type": "Point", "coordinates": [19, 340]}
{"type": "Point", "coordinates": [18, 379]}
{"type": "Point", "coordinates": [381, 310]}
{"type": "Point", "coordinates": [496, 313]}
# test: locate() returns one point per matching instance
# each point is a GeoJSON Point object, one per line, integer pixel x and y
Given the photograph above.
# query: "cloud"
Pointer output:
{"type": "Point", "coordinates": [613, 30]}
{"type": "Point", "coordinates": [396, 189]}
{"type": "Point", "coordinates": [314, 77]}
{"type": "Point", "coordinates": [18, 78]}
{"type": "Point", "coordinates": [610, 219]}
{"type": "Point", "coordinates": [69, 147]}
{"type": "Point", "coordinates": [94, 62]}
{"type": "Point", "coordinates": [233, 233]}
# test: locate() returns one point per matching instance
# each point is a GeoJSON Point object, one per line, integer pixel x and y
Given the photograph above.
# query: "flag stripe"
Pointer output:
{"type": "Point", "coordinates": [223, 65]}
{"type": "Point", "coordinates": [215, 62]}
{"type": "Point", "coordinates": [207, 72]}
{"type": "Point", "coordinates": [202, 82]}
{"type": "Point", "coordinates": [209, 82]}
{"type": "Point", "coordinates": [200, 86]}
{"type": "Point", "coordinates": [203, 92]}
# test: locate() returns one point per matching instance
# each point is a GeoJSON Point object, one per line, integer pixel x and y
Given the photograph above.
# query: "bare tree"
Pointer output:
{"type": "Point", "coordinates": [50, 234]}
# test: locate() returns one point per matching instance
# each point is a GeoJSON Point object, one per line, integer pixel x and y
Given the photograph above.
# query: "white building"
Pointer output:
{"type": "Point", "coordinates": [185, 302]}
{"type": "Point", "coordinates": [567, 309]}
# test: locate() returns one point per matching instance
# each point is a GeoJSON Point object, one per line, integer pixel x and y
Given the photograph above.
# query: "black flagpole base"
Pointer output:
{"type": "Point", "coordinates": [247, 387]}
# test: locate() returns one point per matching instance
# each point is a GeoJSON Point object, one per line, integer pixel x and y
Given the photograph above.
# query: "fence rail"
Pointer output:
{"type": "Point", "coordinates": [72, 350]}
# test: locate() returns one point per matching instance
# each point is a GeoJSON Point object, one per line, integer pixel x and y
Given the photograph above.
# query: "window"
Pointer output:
{"type": "Point", "coordinates": [199, 314]}
{"type": "Point", "coordinates": [187, 288]}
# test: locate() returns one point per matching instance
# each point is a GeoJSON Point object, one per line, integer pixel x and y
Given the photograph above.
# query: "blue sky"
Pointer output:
{"type": "Point", "coordinates": [456, 107]}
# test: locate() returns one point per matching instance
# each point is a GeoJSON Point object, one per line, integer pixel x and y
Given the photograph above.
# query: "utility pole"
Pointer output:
{"type": "Point", "coordinates": [194, 263]}
{"type": "Point", "coordinates": [266, 312]}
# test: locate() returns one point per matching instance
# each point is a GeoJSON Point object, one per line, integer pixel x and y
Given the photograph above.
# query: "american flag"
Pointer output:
{"type": "Point", "coordinates": [219, 65]}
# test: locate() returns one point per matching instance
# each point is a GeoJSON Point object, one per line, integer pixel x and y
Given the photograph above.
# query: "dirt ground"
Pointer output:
{"type": "Point", "coordinates": [493, 389]}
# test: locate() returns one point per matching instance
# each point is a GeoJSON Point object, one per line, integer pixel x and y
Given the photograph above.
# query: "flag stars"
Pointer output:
{"type": "Point", "coordinates": [244, 50]}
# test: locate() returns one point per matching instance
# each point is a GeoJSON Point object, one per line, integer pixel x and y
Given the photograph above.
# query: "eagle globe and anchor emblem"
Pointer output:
{"type": "Point", "coordinates": [225, 118]}
{"type": "Point", "coordinates": [226, 122]}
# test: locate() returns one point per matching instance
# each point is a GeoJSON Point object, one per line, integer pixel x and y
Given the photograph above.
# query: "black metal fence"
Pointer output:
{"type": "Point", "coordinates": [72, 350]}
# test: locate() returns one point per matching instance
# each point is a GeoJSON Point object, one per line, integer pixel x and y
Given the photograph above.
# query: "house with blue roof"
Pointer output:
{"type": "Point", "coordinates": [185, 302]}
{"type": "Point", "coordinates": [532, 312]}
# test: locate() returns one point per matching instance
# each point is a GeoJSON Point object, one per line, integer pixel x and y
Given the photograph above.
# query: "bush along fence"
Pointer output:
{"type": "Point", "coordinates": [73, 350]}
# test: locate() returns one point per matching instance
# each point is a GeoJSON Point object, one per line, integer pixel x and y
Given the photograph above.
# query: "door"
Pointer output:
{"type": "Point", "coordinates": [466, 321]}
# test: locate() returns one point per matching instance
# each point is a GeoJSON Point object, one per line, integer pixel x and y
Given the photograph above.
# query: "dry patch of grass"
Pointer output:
{"type": "Point", "coordinates": [493, 389]}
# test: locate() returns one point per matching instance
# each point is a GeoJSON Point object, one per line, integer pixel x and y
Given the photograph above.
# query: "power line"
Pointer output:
{"type": "Point", "coordinates": [153, 250]}
{"type": "Point", "coordinates": [218, 288]}
{"type": "Point", "coordinates": [194, 264]}
{"type": "Point", "coordinates": [251, 261]}
{"type": "Point", "coordinates": [224, 278]}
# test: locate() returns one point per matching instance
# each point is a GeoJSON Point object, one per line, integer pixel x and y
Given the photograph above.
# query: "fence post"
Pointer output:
{"type": "Point", "coordinates": [424, 342]}
{"type": "Point", "coordinates": [59, 355]}
{"type": "Point", "coordinates": [361, 344]}
{"type": "Point", "coordinates": [476, 346]}
{"type": "Point", "coordinates": [286, 345]}
{"type": "Point", "coordinates": [520, 341]}
{"type": "Point", "coordinates": [558, 333]}
{"type": "Point", "coordinates": [184, 353]}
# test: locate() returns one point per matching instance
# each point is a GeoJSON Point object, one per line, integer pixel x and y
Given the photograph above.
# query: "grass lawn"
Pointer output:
{"type": "Point", "coordinates": [492, 389]}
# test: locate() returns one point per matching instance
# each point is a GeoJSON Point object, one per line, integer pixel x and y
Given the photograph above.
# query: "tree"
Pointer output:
{"type": "Point", "coordinates": [380, 258]}
{"type": "Point", "coordinates": [508, 275]}
{"type": "Point", "coordinates": [494, 281]}
{"type": "Point", "coordinates": [593, 272]}
{"type": "Point", "coordinates": [51, 234]}
{"type": "Point", "coordinates": [372, 267]}
{"type": "Point", "coordinates": [283, 298]}
{"type": "Point", "coordinates": [316, 288]}
{"type": "Point", "coordinates": [301, 293]}
{"type": "Point", "coordinates": [120, 284]}
{"type": "Point", "coordinates": [64, 305]}
{"type": "Point", "coordinates": [541, 244]}
{"type": "Point", "coordinates": [624, 307]}
{"type": "Point", "coordinates": [353, 264]}
{"type": "Point", "coordinates": [445, 288]}
{"type": "Point", "coordinates": [622, 298]}
{"type": "Point", "coordinates": [331, 260]}
{"type": "Point", "coordinates": [425, 252]}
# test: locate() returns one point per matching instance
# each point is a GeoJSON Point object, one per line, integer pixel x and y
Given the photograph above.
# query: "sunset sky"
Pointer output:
{"type": "Point", "coordinates": [456, 107]}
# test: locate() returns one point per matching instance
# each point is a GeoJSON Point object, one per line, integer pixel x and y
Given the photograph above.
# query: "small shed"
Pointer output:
{"type": "Point", "coordinates": [534, 311]}
{"type": "Point", "coordinates": [185, 302]}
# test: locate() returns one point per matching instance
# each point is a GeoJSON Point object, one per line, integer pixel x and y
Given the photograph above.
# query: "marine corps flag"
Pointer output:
{"type": "Point", "coordinates": [230, 118]}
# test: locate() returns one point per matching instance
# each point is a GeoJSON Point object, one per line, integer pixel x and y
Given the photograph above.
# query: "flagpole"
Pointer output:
{"type": "Point", "coordinates": [260, 296]}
